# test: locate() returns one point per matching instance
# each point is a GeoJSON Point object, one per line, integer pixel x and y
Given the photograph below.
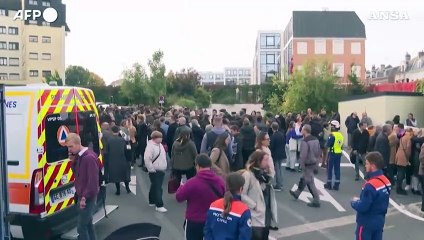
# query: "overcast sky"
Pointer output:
{"type": "Point", "coordinates": [108, 36]}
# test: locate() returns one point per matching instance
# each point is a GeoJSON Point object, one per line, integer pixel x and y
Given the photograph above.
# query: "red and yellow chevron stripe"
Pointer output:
{"type": "Point", "coordinates": [53, 101]}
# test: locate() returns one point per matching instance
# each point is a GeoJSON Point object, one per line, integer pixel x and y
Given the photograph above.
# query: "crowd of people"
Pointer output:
{"type": "Point", "coordinates": [235, 160]}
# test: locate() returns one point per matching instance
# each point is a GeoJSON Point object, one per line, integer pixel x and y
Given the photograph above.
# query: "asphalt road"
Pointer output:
{"type": "Point", "coordinates": [333, 221]}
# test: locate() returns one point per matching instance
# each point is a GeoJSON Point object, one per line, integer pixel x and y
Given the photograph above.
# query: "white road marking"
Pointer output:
{"type": "Point", "coordinates": [321, 226]}
{"type": "Point", "coordinates": [341, 164]}
{"type": "Point", "coordinates": [400, 207]}
{"type": "Point", "coordinates": [133, 184]}
{"type": "Point", "coordinates": [324, 195]}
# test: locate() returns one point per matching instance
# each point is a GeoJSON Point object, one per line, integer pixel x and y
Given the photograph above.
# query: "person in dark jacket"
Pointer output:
{"type": "Point", "coordinates": [383, 147]}
{"type": "Point", "coordinates": [237, 160]}
{"type": "Point", "coordinates": [371, 206]}
{"type": "Point", "coordinates": [247, 139]}
{"type": "Point", "coordinates": [198, 134]}
{"type": "Point", "coordinates": [351, 124]}
{"type": "Point", "coordinates": [142, 133]}
{"type": "Point", "coordinates": [182, 126]}
{"type": "Point", "coordinates": [119, 166]}
{"type": "Point", "coordinates": [278, 153]}
{"type": "Point", "coordinates": [86, 167]}
{"type": "Point", "coordinates": [211, 187]}
{"type": "Point", "coordinates": [360, 140]}
{"type": "Point", "coordinates": [173, 125]}
{"type": "Point", "coordinates": [229, 218]}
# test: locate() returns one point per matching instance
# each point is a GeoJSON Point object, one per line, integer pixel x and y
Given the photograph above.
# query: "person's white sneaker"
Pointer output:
{"type": "Point", "coordinates": [407, 187]}
{"type": "Point", "coordinates": [161, 210]}
{"type": "Point", "coordinates": [152, 205]}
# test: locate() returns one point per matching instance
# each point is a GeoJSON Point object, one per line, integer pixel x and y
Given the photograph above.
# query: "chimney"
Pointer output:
{"type": "Point", "coordinates": [382, 67]}
{"type": "Point", "coordinates": [421, 54]}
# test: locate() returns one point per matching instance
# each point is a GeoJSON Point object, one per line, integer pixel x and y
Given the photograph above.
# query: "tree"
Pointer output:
{"type": "Point", "coordinates": [54, 78]}
{"type": "Point", "coordinates": [135, 84]}
{"type": "Point", "coordinates": [157, 79]}
{"type": "Point", "coordinates": [77, 76]}
{"type": "Point", "coordinates": [184, 82]}
{"type": "Point", "coordinates": [96, 79]}
{"type": "Point", "coordinates": [274, 99]}
{"type": "Point", "coordinates": [312, 87]}
{"type": "Point", "coordinates": [356, 88]}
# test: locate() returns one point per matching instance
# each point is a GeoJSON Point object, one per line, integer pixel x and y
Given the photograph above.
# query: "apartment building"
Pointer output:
{"type": "Point", "coordinates": [237, 76]}
{"type": "Point", "coordinates": [212, 78]}
{"type": "Point", "coordinates": [230, 76]}
{"type": "Point", "coordinates": [334, 36]}
{"type": "Point", "coordinates": [30, 49]}
{"type": "Point", "coordinates": [267, 59]}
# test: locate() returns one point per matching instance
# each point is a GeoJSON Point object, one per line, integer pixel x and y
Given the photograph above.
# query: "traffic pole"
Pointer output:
{"type": "Point", "coordinates": [4, 199]}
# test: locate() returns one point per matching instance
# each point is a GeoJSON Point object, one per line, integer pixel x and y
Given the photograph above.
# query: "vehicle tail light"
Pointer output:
{"type": "Point", "coordinates": [37, 192]}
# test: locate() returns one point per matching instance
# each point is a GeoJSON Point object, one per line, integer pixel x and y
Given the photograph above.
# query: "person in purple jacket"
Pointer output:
{"type": "Point", "coordinates": [211, 187]}
{"type": "Point", "coordinates": [86, 167]}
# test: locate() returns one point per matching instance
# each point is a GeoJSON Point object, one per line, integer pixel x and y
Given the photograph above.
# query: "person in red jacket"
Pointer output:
{"type": "Point", "coordinates": [86, 167]}
{"type": "Point", "coordinates": [229, 218]}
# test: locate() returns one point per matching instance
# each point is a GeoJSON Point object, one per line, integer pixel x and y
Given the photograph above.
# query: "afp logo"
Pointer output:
{"type": "Point", "coordinates": [49, 15]}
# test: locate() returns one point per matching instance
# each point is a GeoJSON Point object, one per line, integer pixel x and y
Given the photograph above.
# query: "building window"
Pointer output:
{"type": "Point", "coordinates": [46, 39]}
{"type": "Point", "coordinates": [2, 30]}
{"type": "Point", "coordinates": [338, 47]}
{"type": "Point", "coordinates": [14, 76]}
{"type": "Point", "coordinates": [13, 31]}
{"type": "Point", "coordinates": [13, 46]}
{"type": "Point", "coordinates": [47, 73]}
{"type": "Point", "coordinates": [2, 12]}
{"type": "Point", "coordinates": [33, 56]}
{"type": "Point", "coordinates": [302, 48]}
{"type": "Point", "coordinates": [33, 22]}
{"type": "Point", "coordinates": [3, 76]}
{"type": "Point", "coordinates": [355, 48]}
{"type": "Point", "coordinates": [33, 38]}
{"type": "Point", "coordinates": [3, 45]}
{"type": "Point", "coordinates": [33, 2]}
{"type": "Point", "coordinates": [14, 62]}
{"type": "Point", "coordinates": [33, 73]}
{"type": "Point", "coordinates": [320, 46]}
{"type": "Point", "coordinates": [45, 3]}
{"type": "Point", "coordinates": [240, 72]}
{"type": "Point", "coordinates": [3, 61]}
{"type": "Point", "coordinates": [356, 69]}
{"type": "Point", "coordinates": [44, 23]}
{"type": "Point", "coordinates": [270, 59]}
{"type": "Point", "coordinates": [270, 40]}
{"type": "Point", "coordinates": [338, 69]}
{"type": "Point", "coordinates": [46, 56]}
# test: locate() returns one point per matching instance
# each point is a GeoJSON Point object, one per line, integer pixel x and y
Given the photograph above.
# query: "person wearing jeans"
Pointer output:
{"type": "Point", "coordinates": [86, 167]}
{"type": "Point", "coordinates": [155, 160]}
{"type": "Point", "coordinates": [278, 154]}
{"type": "Point", "coordinates": [85, 226]}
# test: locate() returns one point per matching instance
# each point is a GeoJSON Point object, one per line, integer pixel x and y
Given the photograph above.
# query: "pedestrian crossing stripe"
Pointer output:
{"type": "Point", "coordinates": [62, 134]}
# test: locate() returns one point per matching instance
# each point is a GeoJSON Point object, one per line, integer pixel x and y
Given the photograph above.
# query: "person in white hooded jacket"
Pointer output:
{"type": "Point", "coordinates": [155, 161]}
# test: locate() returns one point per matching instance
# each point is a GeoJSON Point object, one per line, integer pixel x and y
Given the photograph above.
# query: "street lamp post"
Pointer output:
{"type": "Point", "coordinates": [237, 94]}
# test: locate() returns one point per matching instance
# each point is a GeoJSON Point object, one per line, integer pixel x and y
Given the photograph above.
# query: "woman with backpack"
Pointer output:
{"type": "Point", "coordinates": [220, 162]}
{"type": "Point", "coordinates": [183, 156]}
